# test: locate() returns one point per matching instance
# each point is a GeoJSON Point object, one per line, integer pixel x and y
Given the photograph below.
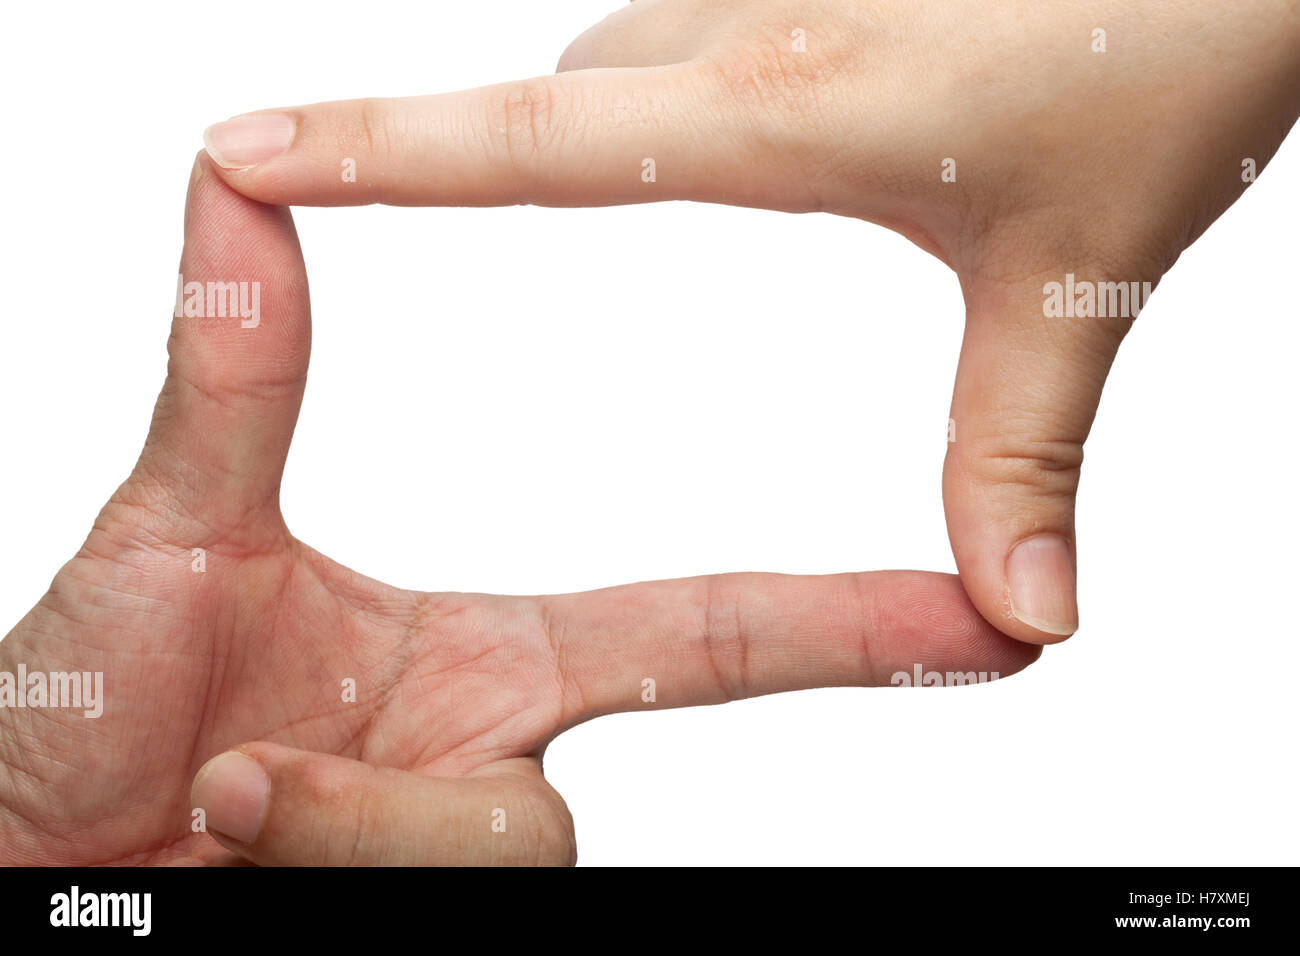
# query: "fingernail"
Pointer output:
{"type": "Point", "coordinates": [248, 140]}
{"type": "Point", "coordinates": [1040, 577]}
{"type": "Point", "coordinates": [232, 789]}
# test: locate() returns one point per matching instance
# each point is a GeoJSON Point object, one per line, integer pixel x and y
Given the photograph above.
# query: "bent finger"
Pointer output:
{"type": "Point", "coordinates": [276, 805]}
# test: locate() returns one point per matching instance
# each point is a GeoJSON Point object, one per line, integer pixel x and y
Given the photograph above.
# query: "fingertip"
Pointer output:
{"type": "Point", "coordinates": [1040, 585]}
{"type": "Point", "coordinates": [1010, 653]}
{"type": "Point", "coordinates": [1034, 636]}
{"type": "Point", "coordinates": [243, 142]}
{"type": "Point", "coordinates": [938, 626]}
{"type": "Point", "coordinates": [233, 791]}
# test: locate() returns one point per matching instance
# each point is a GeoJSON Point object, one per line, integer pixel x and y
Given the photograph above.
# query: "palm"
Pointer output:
{"type": "Point", "coordinates": [261, 647]}
{"type": "Point", "coordinates": [272, 641]}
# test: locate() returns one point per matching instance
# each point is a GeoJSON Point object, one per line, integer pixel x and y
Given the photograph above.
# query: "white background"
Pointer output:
{"type": "Point", "coordinates": [535, 400]}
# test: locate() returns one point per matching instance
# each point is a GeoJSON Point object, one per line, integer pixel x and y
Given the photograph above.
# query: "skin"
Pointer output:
{"type": "Point", "coordinates": [1101, 165]}
{"type": "Point", "coordinates": [457, 694]}
{"type": "Point", "coordinates": [1069, 161]}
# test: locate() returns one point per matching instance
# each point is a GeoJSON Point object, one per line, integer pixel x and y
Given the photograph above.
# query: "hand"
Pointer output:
{"type": "Point", "coordinates": [255, 636]}
{"type": "Point", "coordinates": [1008, 139]}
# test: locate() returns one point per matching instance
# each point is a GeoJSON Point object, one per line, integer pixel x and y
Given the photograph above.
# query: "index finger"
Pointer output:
{"type": "Point", "coordinates": [583, 138]}
{"type": "Point", "coordinates": [708, 640]}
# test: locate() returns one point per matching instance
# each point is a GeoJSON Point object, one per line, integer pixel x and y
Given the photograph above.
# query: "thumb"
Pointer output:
{"type": "Point", "coordinates": [238, 353]}
{"type": "Point", "coordinates": [276, 805]}
{"type": "Point", "coordinates": [1034, 358]}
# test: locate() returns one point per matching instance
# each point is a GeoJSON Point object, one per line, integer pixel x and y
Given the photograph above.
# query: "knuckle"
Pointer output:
{"type": "Point", "coordinates": [374, 121]}
{"type": "Point", "coordinates": [560, 846]}
{"type": "Point", "coordinates": [724, 643]}
{"type": "Point", "coordinates": [555, 843]}
{"type": "Point", "coordinates": [334, 833]}
{"type": "Point", "coordinates": [769, 75]}
{"type": "Point", "coordinates": [352, 846]}
{"type": "Point", "coordinates": [785, 105]}
{"type": "Point", "coordinates": [526, 116]}
{"type": "Point", "coordinates": [1040, 468]}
